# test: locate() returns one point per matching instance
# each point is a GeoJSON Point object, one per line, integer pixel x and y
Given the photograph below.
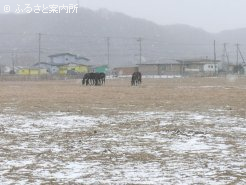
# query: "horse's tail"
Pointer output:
{"type": "Point", "coordinates": [140, 77]}
{"type": "Point", "coordinates": [103, 78]}
{"type": "Point", "coordinates": [83, 81]}
{"type": "Point", "coordinates": [133, 79]}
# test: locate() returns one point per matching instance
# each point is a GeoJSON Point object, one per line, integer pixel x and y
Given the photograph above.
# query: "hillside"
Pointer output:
{"type": "Point", "coordinates": [86, 32]}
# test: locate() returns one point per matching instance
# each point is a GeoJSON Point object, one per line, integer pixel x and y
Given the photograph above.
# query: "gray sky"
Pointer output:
{"type": "Point", "coordinates": [210, 15]}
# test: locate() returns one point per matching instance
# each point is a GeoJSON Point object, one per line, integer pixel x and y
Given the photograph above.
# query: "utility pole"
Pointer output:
{"type": "Point", "coordinates": [237, 58]}
{"type": "Point", "coordinates": [140, 49]}
{"type": "Point", "coordinates": [108, 45]}
{"type": "Point", "coordinates": [214, 58]}
{"type": "Point", "coordinates": [13, 62]}
{"type": "Point", "coordinates": [241, 55]}
{"type": "Point", "coordinates": [78, 3]}
{"type": "Point", "coordinates": [227, 58]}
{"type": "Point", "coordinates": [39, 47]}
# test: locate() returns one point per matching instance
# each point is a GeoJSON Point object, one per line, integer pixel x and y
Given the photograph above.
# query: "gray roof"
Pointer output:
{"type": "Point", "coordinates": [62, 54]}
{"type": "Point", "coordinates": [84, 58]}
{"type": "Point", "coordinates": [45, 63]}
{"type": "Point", "coordinates": [55, 64]}
{"type": "Point", "coordinates": [160, 62]}
{"type": "Point", "coordinates": [197, 61]}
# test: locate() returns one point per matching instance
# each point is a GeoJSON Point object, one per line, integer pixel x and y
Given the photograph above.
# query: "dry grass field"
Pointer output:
{"type": "Point", "coordinates": [166, 131]}
{"type": "Point", "coordinates": [196, 94]}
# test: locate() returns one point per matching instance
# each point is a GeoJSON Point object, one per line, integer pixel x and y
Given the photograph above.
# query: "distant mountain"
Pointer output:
{"type": "Point", "coordinates": [86, 33]}
{"type": "Point", "coordinates": [233, 36]}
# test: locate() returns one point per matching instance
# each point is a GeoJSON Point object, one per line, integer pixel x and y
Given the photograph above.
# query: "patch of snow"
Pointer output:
{"type": "Point", "coordinates": [191, 145]}
{"type": "Point", "coordinates": [124, 148]}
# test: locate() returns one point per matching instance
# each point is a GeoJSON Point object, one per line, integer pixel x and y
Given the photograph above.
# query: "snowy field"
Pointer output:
{"type": "Point", "coordinates": [122, 148]}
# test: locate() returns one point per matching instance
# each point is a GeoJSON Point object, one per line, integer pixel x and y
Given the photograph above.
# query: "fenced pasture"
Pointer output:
{"type": "Point", "coordinates": [165, 131]}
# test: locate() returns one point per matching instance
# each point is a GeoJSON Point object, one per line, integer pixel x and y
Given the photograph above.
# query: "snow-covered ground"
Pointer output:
{"type": "Point", "coordinates": [123, 148]}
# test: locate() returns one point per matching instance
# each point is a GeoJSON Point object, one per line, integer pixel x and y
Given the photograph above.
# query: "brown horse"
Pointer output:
{"type": "Point", "coordinates": [94, 79]}
{"type": "Point", "coordinates": [136, 79]}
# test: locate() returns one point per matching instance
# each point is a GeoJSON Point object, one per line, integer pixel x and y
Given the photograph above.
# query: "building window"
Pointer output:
{"type": "Point", "coordinates": [164, 68]}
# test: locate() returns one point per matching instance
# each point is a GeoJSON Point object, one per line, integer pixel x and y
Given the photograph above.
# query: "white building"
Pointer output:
{"type": "Point", "coordinates": [5, 69]}
{"type": "Point", "coordinates": [211, 67]}
{"type": "Point", "coordinates": [200, 66]}
{"type": "Point", "coordinates": [61, 59]}
{"type": "Point", "coordinates": [66, 58]}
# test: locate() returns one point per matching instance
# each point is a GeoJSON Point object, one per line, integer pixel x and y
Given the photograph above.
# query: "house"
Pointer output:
{"type": "Point", "coordinates": [119, 71]}
{"type": "Point", "coordinates": [4, 69]}
{"type": "Point", "coordinates": [32, 71]}
{"type": "Point", "coordinates": [199, 66]}
{"type": "Point", "coordinates": [51, 68]}
{"type": "Point", "coordinates": [160, 67]}
{"type": "Point", "coordinates": [66, 58]}
{"type": "Point", "coordinates": [63, 69]}
{"type": "Point", "coordinates": [236, 69]}
{"type": "Point", "coordinates": [180, 67]}
{"type": "Point", "coordinates": [65, 63]}
{"type": "Point", "coordinates": [72, 69]}
{"type": "Point", "coordinates": [233, 68]}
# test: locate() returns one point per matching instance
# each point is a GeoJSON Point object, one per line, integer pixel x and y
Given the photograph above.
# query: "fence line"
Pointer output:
{"type": "Point", "coordinates": [38, 77]}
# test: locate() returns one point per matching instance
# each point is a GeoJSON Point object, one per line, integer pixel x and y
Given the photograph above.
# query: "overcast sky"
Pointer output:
{"type": "Point", "coordinates": [210, 15]}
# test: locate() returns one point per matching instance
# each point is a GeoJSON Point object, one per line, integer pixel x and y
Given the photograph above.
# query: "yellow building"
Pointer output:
{"type": "Point", "coordinates": [32, 71]}
{"type": "Point", "coordinates": [72, 69]}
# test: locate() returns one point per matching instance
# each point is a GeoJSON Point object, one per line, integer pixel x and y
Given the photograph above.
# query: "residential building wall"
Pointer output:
{"type": "Point", "coordinates": [149, 69]}
{"type": "Point", "coordinates": [160, 69]}
{"type": "Point", "coordinates": [63, 70]}
{"type": "Point", "coordinates": [125, 70]}
{"type": "Point", "coordinates": [63, 59]}
{"type": "Point", "coordinates": [194, 67]}
{"type": "Point", "coordinates": [27, 71]}
{"type": "Point", "coordinates": [210, 67]}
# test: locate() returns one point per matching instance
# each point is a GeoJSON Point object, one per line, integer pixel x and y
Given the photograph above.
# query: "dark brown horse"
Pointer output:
{"type": "Point", "coordinates": [94, 79]}
{"type": "Point", "coordinates": [136, 79]}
